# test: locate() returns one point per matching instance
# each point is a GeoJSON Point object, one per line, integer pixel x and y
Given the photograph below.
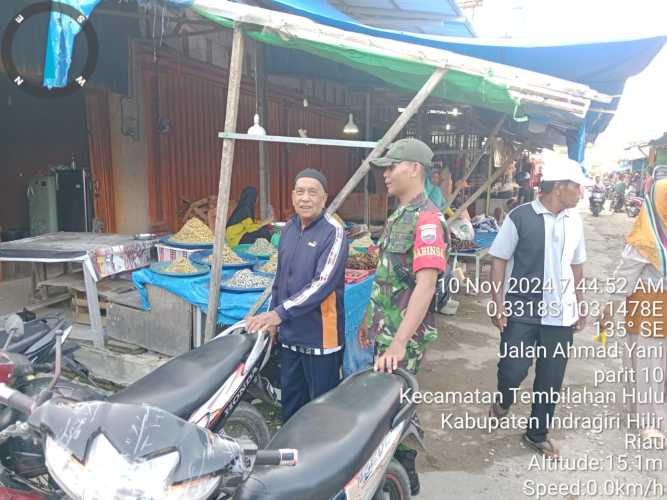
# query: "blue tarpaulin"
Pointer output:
{"type": "Point", "coordinates": [602, 65]}
{"type": "Point", "coordinates": [232, 308]}
{"type": "Point", "coordinates": [60, 42]}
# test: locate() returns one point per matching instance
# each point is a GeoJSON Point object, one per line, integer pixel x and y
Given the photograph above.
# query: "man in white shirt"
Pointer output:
{"type": "Point", "coordinates": [537, 273]}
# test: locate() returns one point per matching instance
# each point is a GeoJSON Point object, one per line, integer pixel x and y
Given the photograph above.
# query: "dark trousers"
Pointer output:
{"type": "Point", "coordinates": [549, 369]}
{"type": "Point", "coordinates": [304, 377]}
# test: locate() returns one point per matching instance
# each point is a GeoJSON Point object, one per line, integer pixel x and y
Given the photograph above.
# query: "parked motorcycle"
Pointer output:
{"type": "Point", "coordinates": [105, 450]}
{"type": "Point", "coordinates": [616, 202]}
{"type": "Point", "coordinates": [346, 441]}
{"type": "Point", "coordinates": [188, 459]}
{"type": "Point", "coordinates": [27, 357]}
{"type": "Point", "coordinates": [596, 202]}
{"type": "Point", "coordinates": [26, 360]}
{"type": "Point", "coordinates": [204, 386]}
{"type": "Point", "coordinates": [34, 338]}
{"type": "Point", "coordinates": [633, 205]}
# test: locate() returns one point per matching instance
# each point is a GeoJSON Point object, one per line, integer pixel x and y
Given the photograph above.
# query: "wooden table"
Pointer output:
{"type": "Point", "coordinates": [476, 256]}
{"type": "Point", "coordinates": [100, 254]}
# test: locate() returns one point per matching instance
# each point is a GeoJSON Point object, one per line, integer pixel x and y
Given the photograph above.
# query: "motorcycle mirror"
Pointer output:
{"type": "Point", "coordinates": [15, 326]}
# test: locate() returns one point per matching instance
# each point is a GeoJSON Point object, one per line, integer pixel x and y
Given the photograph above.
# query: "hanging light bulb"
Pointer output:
{"type": "Point", "coordinates": [448, 127]}
{"type": "Point", "coordinates": [350, 127]}
{"type": "Point", "coordinates": [456, 112]}
{"type": "Point", "coordinates": [305, 102]}
{"type": "Point", "coordinates": [256, 129]}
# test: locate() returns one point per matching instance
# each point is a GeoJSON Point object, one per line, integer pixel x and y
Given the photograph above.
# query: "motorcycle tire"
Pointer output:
{"type": "Point", "coordinates": [396, 485]}
{"type": "Point", "coordinates": [595, 212]}
{"type": "Point", "coordinates": [246, 421]}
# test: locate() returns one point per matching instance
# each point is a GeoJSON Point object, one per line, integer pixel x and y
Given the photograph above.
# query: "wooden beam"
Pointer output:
{"type": "Point", "coordinates": [489, 182]}
{"type": "Point", "coordinates": [488, 191]}
{"type": "Point", "coordinates": [487, 148]}
{"type": "Point", "coordinates": [262, 298]}
{"type": "Point", "coordinates": [262, 110]}
{"type": "Point", "coordinates": [148, 17]}
{"type": "Point", "coordinates": [226, 163]}
{"type": "Point", "coordinates": [367, 208]}
{"type": "Point", "coordinates": [189, 34]}
{"type": "Point", "coordinates": [298, 140]}
{"type": "Point", "coordinates": [428, 87]}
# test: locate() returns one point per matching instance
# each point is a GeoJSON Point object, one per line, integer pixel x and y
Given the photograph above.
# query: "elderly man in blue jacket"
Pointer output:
{"type": "Point", "coordinates": [307, 300]}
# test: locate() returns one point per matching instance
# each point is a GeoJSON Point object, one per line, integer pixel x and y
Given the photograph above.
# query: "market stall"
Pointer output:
{"type": "Point", "coordinates": [234, 306]}
{"type": "Point", "coordinates": [246, 275]}
{"type": "Point", "coordinates": [101, 256]}
{"type": "Point", "coordinates": [510, 104]}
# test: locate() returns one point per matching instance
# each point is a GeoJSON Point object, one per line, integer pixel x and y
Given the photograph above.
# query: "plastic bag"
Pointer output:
{"type": "Point", "coordinates": [462, 229]}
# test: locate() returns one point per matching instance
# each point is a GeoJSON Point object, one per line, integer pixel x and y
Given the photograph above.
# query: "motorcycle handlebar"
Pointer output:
{"type": "Point", "coordinates": [284, 456]}
{"type": "Point", "coordinates": [16, 400]}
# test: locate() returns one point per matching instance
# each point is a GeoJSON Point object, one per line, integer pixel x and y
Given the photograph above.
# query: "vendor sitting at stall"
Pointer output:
{"type": "Point", "coordinates": [433, 191]}
{"type": "Point", "coordinates": [242, 226]}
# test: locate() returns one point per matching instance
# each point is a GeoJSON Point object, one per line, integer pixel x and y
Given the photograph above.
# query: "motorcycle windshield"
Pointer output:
{"type": "Point", "coordinates": [138, 433]}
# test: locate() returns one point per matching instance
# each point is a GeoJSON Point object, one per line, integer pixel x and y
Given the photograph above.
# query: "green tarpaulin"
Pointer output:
{"type": "Point", "coordinates": [407, 75]}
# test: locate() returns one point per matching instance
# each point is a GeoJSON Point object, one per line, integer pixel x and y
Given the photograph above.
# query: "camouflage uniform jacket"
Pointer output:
{"type": "Point", "coordinates": [413, 239]}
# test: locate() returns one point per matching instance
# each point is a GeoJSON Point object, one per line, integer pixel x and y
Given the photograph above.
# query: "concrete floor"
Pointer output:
{"type": "Point", "coordinates": [476, 464]}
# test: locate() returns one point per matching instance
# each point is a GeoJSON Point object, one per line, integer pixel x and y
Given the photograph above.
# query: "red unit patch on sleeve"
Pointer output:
{"type": "Point", "coordinates": [429, 249]}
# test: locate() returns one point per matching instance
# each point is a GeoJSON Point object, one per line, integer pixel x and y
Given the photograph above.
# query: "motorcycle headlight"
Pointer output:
{"type": "Point", "coordinates": [107, 475]}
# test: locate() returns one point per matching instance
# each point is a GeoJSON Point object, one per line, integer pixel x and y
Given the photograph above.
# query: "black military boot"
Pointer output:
{"type": "Point", "coordinates": [407, 458]}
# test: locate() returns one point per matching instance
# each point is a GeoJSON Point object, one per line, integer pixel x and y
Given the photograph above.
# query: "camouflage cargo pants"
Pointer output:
{"type": "Point", "coordinates": [414, 352]}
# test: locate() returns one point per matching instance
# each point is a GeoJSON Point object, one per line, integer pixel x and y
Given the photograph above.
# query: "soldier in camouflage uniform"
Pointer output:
{"type": "Point", "coordinates": [412, 254]}
{"type": "Point", "coordinates": [413, 242]}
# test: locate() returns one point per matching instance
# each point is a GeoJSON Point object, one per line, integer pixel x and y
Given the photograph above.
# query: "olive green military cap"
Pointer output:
{"type": "Point", "coordinates": [408, 149]}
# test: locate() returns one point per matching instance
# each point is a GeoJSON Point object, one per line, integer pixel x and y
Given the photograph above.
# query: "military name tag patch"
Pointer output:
{"type": "Point", "coordinates": [429, 252]}
{"type": "Point", "coordinates": [428, 233]}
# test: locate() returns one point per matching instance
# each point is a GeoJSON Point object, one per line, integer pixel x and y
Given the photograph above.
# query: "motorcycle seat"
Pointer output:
{"type": "Point", "coordinates": [186, 382]}
{"type": "Point", "coordinates": [335, 436]}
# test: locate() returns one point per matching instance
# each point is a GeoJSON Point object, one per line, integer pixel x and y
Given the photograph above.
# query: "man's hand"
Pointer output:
{"type": "Point", "coordinates": [389, 360]}
{"type": "Point", "coordinates": [264, 321]}
{"type": "Point", "coordinates": [500, 319]}
{"type": "Point", "coordinates": [607, 315]}
{"type": "Point", "coordinates": [274, 334]}
{"type": "Point", "coordinates": [581, 322]}
{"type": "Point", "coordinates": [498, 268]}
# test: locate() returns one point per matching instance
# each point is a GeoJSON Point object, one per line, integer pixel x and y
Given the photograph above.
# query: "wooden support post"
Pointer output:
{"type": "Point", "coordinates": [93, 307]}
{"type": "Point", "coordinates": [258, 303]}
{"type": "Point", "coordinates": [489, 182]}
{"type": "Point", "coordinates": [430, 85]}
{"type": "Point", "coordinates": [262, 110]}
{"type": "Point", "coordinates": [226, 163]}
{"type": "Point", "coordinates": [367, 208]}
{"type": "Point", "coordinates": [488, 191]}
{"type": "Point", "coordinates": [487, 148]}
